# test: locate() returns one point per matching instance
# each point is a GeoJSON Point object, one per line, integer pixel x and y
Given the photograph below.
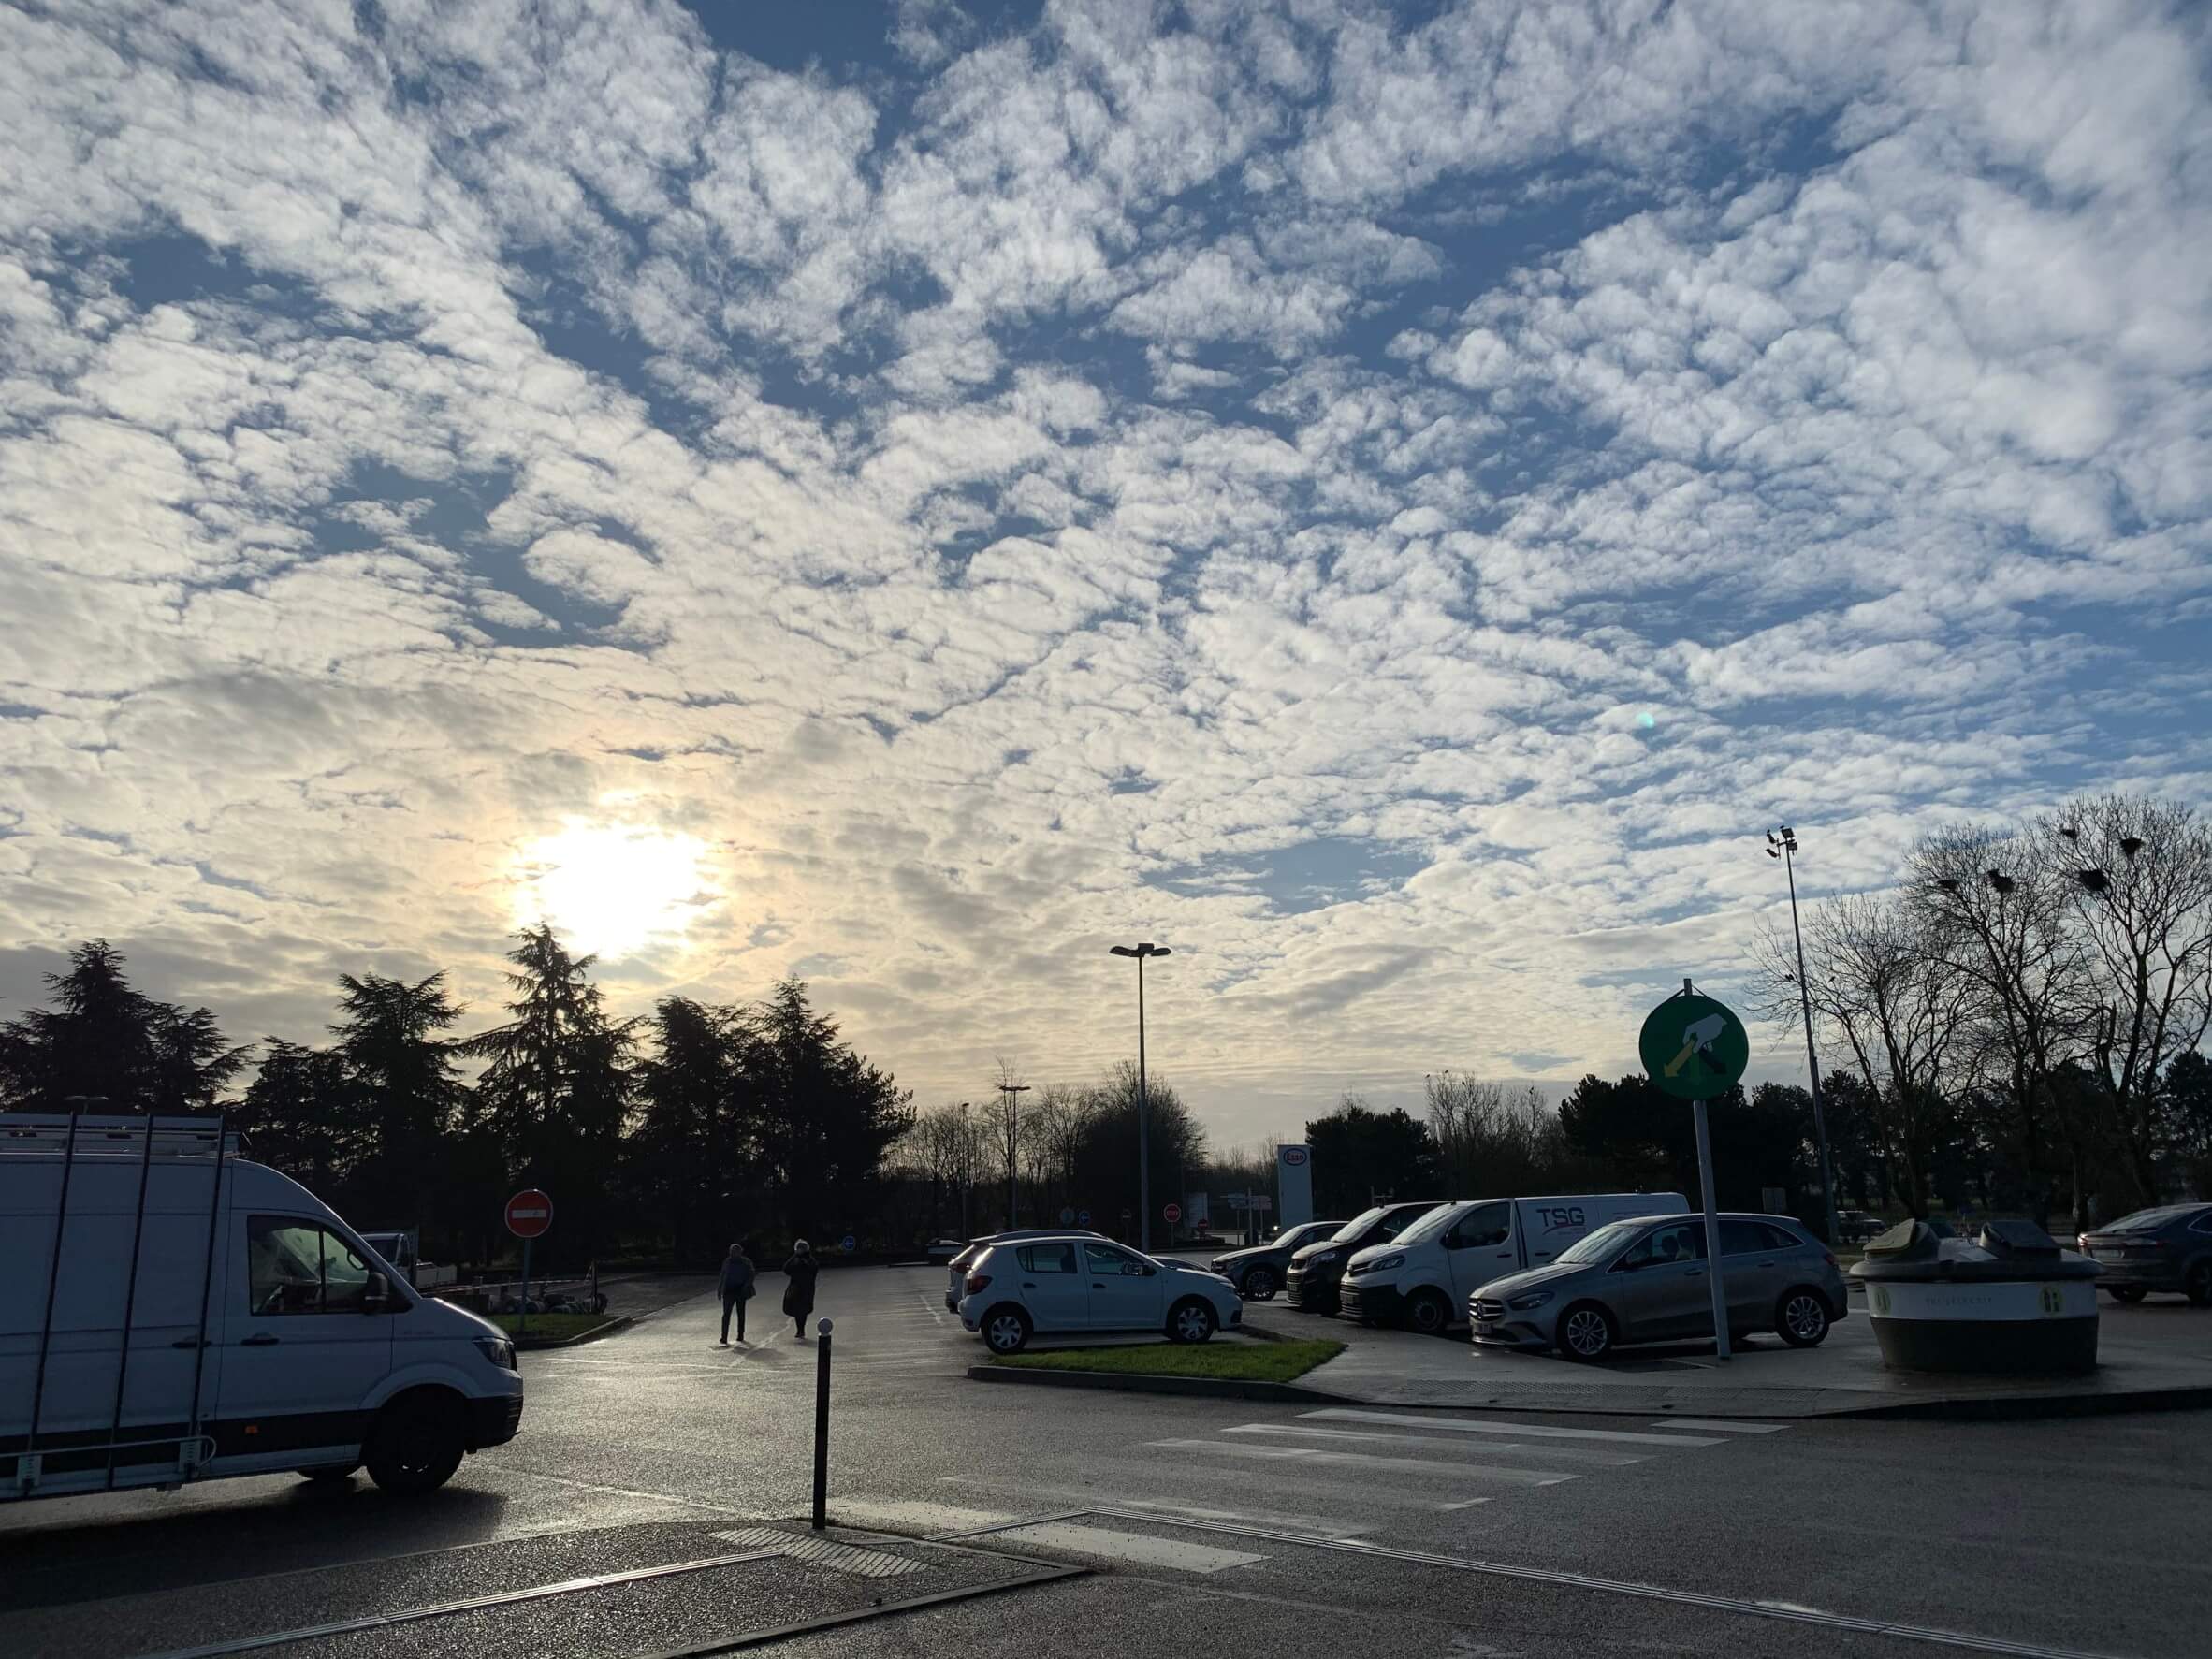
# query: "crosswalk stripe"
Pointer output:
{"type": "Point", "coordinates": [1137, 1549]}
{"type": "Point", "coordinates": [1721, 1425]}
{"type": "Point", "coordinates": [1364, 1460]}
{"type": "Point", "coordinates": [1529, 1431]}
{"type": "Point", "coordinates": [1091, 1498]}
{"type": "Point", "coordinates": [1593, 1457]}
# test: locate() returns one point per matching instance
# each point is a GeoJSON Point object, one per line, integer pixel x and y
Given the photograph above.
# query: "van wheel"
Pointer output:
{"type": "Point", "coordinates": [329, 1474]}
{"type": "Point", "coordinates": [1190, 1322]}
{"type": "Point", "coordinates": [1586, 1331]}
{"type": "Point", "coordinates": [416, 1444]}
{"type": "Point", "coordinates": [1006, 1329]}
{"type": "Point", "coordinates": [1801, 1317]}
{"type": "Point", "coordinates": [1428, 1313]}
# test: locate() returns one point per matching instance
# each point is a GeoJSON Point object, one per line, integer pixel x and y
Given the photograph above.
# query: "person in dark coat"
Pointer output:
{"type": "Point", "coordinates": [799, 1293]}
{"type": "Point", "coordinates": [736, 1288]}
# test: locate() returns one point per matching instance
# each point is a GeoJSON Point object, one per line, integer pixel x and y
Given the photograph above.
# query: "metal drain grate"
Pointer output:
{"type": "Point", "coordinates": [823, 1553]}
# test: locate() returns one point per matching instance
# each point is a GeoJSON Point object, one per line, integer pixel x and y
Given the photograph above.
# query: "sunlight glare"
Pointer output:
{"type": "Point", "coordinates": [608, 889]}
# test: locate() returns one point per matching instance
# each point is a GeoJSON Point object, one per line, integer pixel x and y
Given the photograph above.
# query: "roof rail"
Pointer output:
{"type": "Point", "coordinates": [48, 1134]}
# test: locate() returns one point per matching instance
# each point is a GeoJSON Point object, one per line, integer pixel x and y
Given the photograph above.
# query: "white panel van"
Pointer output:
{"type": "Point", "coordinates": [1425, 1274]}
{"type": "Point", "coordinates": [169, 1312]}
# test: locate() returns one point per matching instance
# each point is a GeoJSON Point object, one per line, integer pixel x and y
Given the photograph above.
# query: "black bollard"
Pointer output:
{"type": "Point", "coordinates": [821, 1365]}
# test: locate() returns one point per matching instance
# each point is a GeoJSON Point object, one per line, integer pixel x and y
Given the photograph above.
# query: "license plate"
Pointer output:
{"type": "Point", "coordinates": [1485, 1327]}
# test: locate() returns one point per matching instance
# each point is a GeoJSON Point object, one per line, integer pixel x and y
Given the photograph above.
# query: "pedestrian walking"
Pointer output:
{"type": "Point", "coordinates": [736, 1288]}
{"type": "Point", "coordinates": [798, 1291]}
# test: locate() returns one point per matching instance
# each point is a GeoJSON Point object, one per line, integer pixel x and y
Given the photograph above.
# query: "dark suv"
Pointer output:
{"type": "Point", "coordinates": [1316, 1272]}
{"type": "Point", "coordinates": [2166, 1248]}
{"type": "Point", "coordinates": [1258, 1273]}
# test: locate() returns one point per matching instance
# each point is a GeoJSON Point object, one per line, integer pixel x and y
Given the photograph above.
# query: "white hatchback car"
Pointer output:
{"type": "Point", "coordinates": [1067, 1286]}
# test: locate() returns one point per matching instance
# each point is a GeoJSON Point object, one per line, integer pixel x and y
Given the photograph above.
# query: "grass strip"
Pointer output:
{"type": "Point", "coordinates": [1227, 1362]}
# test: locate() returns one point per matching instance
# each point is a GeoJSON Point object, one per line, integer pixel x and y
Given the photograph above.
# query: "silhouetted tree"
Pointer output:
{"type": "Point", "coordinates": [103, 1039]}
{"type": "Point", "coordinates": [1362, 1155]}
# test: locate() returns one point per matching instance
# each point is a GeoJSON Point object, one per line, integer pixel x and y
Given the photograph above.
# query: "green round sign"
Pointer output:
{"type": "Point", "coordinates": [1694, 1048]}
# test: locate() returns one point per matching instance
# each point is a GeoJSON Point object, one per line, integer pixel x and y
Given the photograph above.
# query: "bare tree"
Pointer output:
{"type": "Point", "coordinates": [1879, 986]}
{"type": "Point", "coordinates": [2140, 873]}
{"type": "Point", "coordinates": [1994, 909]}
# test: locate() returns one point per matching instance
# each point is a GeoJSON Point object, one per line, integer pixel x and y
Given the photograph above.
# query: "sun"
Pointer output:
{"type": "Point", "coordinates": [610, 889]}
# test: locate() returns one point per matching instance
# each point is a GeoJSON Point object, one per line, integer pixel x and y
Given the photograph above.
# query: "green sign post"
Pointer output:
{"type": "Point", "coordinates": [1695, 1048]}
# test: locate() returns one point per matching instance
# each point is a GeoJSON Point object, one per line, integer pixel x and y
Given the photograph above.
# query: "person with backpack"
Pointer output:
{"type": "Point", "coordinates": [736, 1288]}
{"type": "Point", "coordinates": [799, 1293]}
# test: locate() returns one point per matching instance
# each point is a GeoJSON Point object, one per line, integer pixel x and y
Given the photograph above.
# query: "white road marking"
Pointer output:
{"type": "Point", "coordinates": [1092, 1498]}
{"type": "Point", "coordinates": [1604, 1459]}
{"type": "Point", "coordinates": [1362, 1460]}
{"type": "Point", "coordinates": [1528, 1431]}
{"type": "Point", "coordinates": [922, 1516]}
{"type": "Point", "coordinates": [935, 1309]}
{"type": "Point", "coordinates": [1134, 1548]}
{"type": "Point", "coordinates": [619, 1491]}
{"type": "Point", "coordinates": [1722, 1426]}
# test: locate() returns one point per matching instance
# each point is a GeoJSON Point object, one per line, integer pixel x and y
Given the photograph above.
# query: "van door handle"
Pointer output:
{"type": "Point", "coordinates": [190, 1342]}
{"type": "Point", "coordinates": [1695, 1272]}
{"type": "Point", "coordinates": [1029, 1283]}
{"type": "Point", "coordinates": [261, 1340]}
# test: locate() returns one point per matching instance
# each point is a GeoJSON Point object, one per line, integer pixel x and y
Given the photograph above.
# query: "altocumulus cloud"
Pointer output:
{"type": "Point", "coordinates": [1389, 507]}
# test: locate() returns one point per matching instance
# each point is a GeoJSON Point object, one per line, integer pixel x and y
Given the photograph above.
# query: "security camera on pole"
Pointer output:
{"type": "Point", "coordinates": [1695, 1048]}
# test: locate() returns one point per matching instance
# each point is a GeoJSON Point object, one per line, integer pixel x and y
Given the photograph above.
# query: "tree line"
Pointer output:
{"type": "Point", "coordinates": [676, 1131]}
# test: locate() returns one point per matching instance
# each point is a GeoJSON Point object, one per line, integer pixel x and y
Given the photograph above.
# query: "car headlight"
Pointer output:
{"type": "Point", "coordinates": [1385, 1265]}
{"type": "Point", "coordinates": [499, 1350]}
{"type": "Point", "coordinates": [1534, 1299]}
{"type": "Point", "coordinates": [1324, 1258]}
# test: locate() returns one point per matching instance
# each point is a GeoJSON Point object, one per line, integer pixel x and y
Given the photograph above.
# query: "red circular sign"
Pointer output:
{"type": "Point", "coordinates": [1172, 1213]}
{"type": "Point", "coordinates": [528, 1214]}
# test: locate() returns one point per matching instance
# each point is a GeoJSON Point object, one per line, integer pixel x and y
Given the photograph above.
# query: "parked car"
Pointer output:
{"type": "Point", "coordinates": [1855, 1226]}
{"type": "Point", "coordinates": [1258, 1272]}
{"type": "Point", "coordinates": [1310, 1282]}
{"type": "Point", "coordinates": [1080, 1282]}
{"type": "Point", "coordinates": [2167, 1249]}
{"type": "Point", "coordinates": [1426, 1274]}
{"type": "Point", "coordinates": [1646, 1281]}
{"type": "Point", "coordinates": [966, 1258]}
{"type": "Point", "coordinates": [264, 1334]}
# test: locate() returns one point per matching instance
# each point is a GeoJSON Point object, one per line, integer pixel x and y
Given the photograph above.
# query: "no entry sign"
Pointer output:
{"type": "Point", "coordinates": [528, 1214]}
{"type": "Point", "coordinates": [1172, 1214]}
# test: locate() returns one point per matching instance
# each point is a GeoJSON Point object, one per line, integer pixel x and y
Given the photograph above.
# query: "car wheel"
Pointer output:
{"type": "Point", "coordinates": [1259, 1284]}
{"type": "Point", "coordinates": [1428, 1313]}
{"type": "Point", "coordinates": [2131, 1294]}
{"type": "Point", "coordinates": [1006, 1330]}
{"type": "Point", "coordinates": [2199, 1284]}
{"type": "Point", "coordinates": [1801, 1317]}
{"type": "Point", "coordinates": [1586, 1331]}
{"type": "Point", "coordinates": [416, 1444]}
{"type": "Point", "coordinates": [1190, 1322]}
{"type": "Point", "coordinates": [329, 1474]}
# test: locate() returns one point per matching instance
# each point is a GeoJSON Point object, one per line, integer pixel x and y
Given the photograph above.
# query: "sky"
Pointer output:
{"type": "Point", "coordinates": [1391, 502]}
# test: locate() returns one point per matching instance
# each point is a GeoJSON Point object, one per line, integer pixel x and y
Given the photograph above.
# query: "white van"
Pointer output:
{"type": "Point", "coordinates": [171, 1313]}
{"type": "Point", "coordinates": [1426, 1274]}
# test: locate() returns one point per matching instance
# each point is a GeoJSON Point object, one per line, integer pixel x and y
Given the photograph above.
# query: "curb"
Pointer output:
{"type": "Point", "coordinates": [530, 1345]}
{"type": "Point", "coordinates": [2025, 1409]}
{"type": "Point", "coordinates": [1126, 1382]}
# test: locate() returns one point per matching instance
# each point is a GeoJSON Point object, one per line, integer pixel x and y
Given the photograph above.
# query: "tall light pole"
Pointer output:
{"type": "Point", "coordinates": [1784, 845]}
{"type": "Point", "coordinates": [966, 1167]}
{"type": "Point", "coordinates": [1013, 1093]}
{"type": "Point", "coordinates": [1143, 1106]}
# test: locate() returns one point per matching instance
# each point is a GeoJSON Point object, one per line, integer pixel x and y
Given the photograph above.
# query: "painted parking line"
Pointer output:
{"type": "Point", "coordinates": [1528, 1431]}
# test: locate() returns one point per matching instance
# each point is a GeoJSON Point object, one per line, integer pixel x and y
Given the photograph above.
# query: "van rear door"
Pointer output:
{"type": "Point", "coordinates": [300, 1349]}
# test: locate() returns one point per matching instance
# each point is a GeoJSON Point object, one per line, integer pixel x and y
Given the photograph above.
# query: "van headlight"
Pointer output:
{"type": "Point", "coordinates": [1387, 1264]}
{"type": "Point", "coordinates": [499, 1350]}
{"type": "Point", "coordinates": [1534, 1299]}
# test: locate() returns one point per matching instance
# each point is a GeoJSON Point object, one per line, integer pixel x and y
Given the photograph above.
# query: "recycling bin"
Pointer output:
{"type": "Point", "coordinates": [2007, 1301]}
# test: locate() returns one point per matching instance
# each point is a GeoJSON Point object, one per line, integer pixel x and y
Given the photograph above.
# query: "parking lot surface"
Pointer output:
{"type": "Point", "coordinates": [1322, 1529]}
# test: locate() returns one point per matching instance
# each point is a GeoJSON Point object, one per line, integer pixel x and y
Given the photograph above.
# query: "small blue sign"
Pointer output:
{"type": "Point", "coordinates": [850, 1245]}
{"type": "Point", "coordinates": [1082, 1218]}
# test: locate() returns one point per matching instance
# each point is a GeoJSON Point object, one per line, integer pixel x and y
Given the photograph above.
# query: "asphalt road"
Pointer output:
{"type": "Point", "coordinates": [1215, 1525]}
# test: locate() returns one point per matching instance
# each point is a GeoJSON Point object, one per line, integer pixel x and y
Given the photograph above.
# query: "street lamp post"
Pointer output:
{"type": "Point", "coordinates": [1143, 1106]}
{"type": "Point", "coordinates": [1784, 847]}
{"type": "Point", "coordinates": [1013, 1093]}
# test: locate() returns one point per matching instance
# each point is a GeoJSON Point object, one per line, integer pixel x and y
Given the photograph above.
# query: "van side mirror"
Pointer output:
{"type": "Point", "coordinates": [376, 1295]}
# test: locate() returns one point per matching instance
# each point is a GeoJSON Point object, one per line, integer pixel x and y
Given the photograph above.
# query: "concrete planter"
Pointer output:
{"type": "Point", "coordinates": [2008, 1303]}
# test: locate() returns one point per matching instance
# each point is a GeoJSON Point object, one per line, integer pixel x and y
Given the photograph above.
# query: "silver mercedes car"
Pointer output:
{"type": "Point", "coordinates": [1646, 1280]}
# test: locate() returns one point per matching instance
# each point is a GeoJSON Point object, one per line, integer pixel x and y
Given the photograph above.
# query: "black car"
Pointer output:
{"type": "Point", "coordinates": [1315, 1269]}
{"type": "Point", "coordinates": [1258, 1272]}
{"type": "Point", "coordinates": [2165, 1248]}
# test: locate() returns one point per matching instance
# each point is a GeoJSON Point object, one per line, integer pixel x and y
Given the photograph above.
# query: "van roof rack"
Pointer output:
{"type": "Point", "coordinates": [56, 1134]}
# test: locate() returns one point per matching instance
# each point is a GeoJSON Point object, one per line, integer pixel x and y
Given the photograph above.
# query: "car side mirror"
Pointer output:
{"type": "Point", "coordinates": [377, 1295]}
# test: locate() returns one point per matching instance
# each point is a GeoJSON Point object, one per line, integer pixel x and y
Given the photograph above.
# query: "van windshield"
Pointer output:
{"type": "Point", "coordinates": [1596, 1247]}
{"type": "Point", "coordinates": [1353, 1229]}
{"type": "Point", "coordinates": [1429, 1226]}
